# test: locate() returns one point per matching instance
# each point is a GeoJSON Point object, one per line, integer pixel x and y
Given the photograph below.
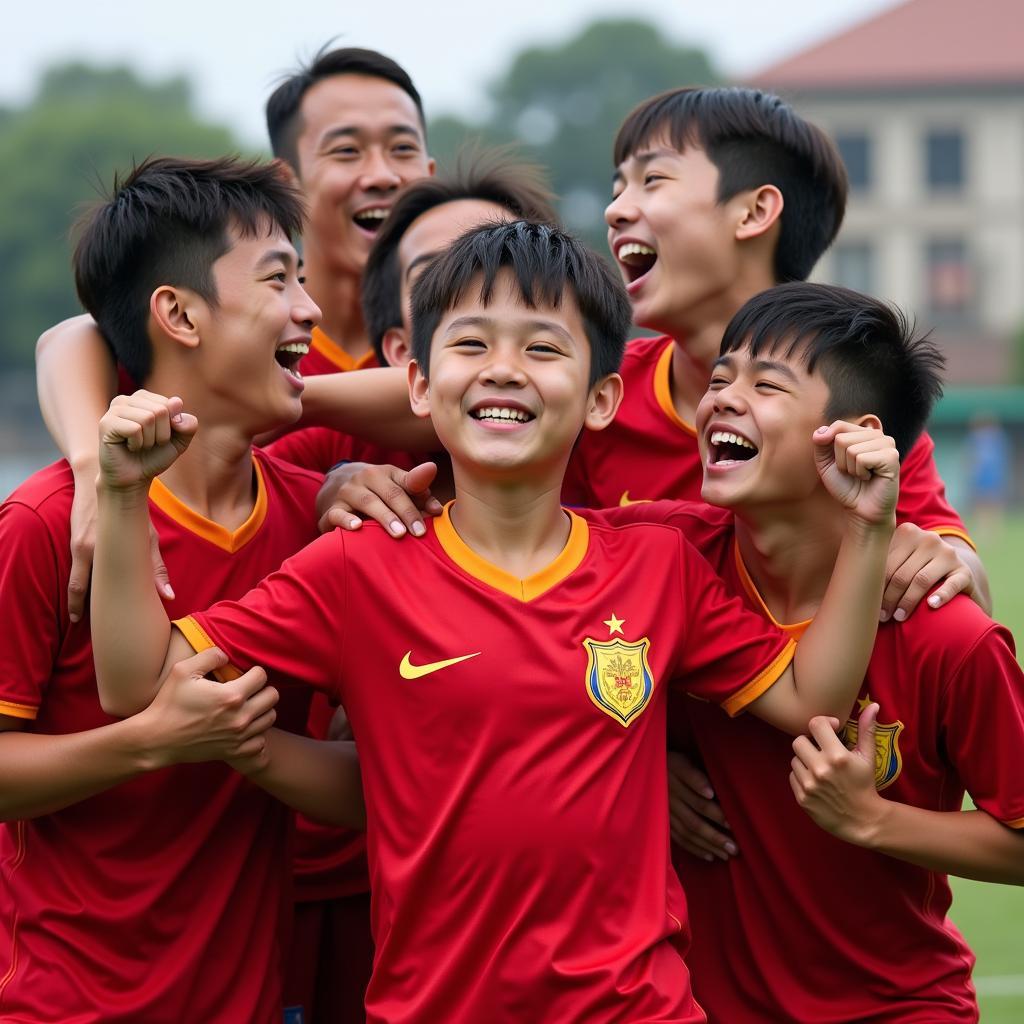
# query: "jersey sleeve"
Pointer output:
{"type": "Point", "coordinates": [292, 624]}
{"type": "Point", "coordinates": [32, 604]}
{"type": "Point", "coordinates": [315, 448]}
{"type": "Point", "coordinates": [730, 655]}
{"type": "Point", "coordinates": [983, 726]}
{"type": "Point", "coordinates": [922, 499]}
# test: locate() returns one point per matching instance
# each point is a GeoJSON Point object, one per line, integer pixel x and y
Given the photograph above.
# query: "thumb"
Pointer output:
{"type": "Point", "coordinates": [420, 477]}
{"type": "Point", "coordinates": [184, 425]}
{"type": "Point", "coordinates": [205, 662]}
{"type": "Point", "coordinates": [866, 732]}
{"type": "Point", "coordinates": [824, 455]}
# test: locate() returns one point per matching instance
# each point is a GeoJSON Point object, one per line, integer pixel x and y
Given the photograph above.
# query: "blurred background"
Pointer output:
{"type": "Point", "coordinates": [924, 97]}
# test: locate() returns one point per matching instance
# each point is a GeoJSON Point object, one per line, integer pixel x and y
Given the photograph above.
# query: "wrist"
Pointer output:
{"type": "Point", "coordinates": [869, 832]}
{"type": "Point", "coordinates": [84, 466]}
{"type": "Point", "coordinates": [122, 497]}
{"type": "Point", "coordinates": [143, 754]}
{"type": "Point", "coordinates": [868, 532]}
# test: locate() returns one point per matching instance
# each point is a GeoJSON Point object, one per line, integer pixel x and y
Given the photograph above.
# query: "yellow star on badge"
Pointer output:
{"type": "Point", "coordinates": [614, 624]}
{"type": "Point", "coordinates": [862, 704]}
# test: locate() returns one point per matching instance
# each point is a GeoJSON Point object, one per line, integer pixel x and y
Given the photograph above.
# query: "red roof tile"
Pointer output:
{"type": "Point", "coordinates": [919, 42]}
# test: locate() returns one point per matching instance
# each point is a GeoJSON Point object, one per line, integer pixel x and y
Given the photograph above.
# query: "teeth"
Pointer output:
{"type": "Point", "coordinates": [299, 347]}
{"type": "Point", "coordinates": [635, 249]}
{"type": "Point", "coordinates": [724, 437]}
{"type": "Point", "coordinates": [503, 413]}
{"type": "Point", "coordinates": [376, 214]}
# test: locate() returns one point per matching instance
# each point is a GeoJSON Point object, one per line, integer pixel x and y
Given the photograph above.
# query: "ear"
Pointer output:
{"type": "Point", "coordinates": [286, 172]}
{"type": "Point", "coordinates": [603, 402]}
{"type": "Point", "coordinates": [431, 167]}
{"type": "Point", "coordinates": [869, 420]}
{"type": "Point", "coordinates": [762, 208]}
{"type": "Point", "coordinates": [419, 391]}
{"type": "Point", "coordinates": [173, 311]}
{"type": "Point", "coordinates": [396, 347]}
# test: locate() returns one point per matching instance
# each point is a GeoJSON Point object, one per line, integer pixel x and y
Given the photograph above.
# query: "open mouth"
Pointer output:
{"type": "Point", "coordinates": [501, 414]}
{"type": "Point", "coordinates": [371, 219]}
{"type": "Point", "coordinates": [730, 449]}
{"type": "Point", "coordinates": [288, 357]}
{"type": "Point", "coordinates": [636, 260]}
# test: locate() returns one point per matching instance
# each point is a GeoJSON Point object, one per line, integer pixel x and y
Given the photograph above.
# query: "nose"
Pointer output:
{"type": "Point", "coordinates": [729, 398]}
{"type": "Point", "coordinates": [620, 211]}
{"type": "Point", "coordinates": [503, 369]}
{"type": "Point", "coordinates": [304, 310]}
{"type": "Point", "coordinates": [379, 175]}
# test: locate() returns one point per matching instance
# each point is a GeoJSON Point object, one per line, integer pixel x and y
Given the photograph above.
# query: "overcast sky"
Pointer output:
{"type": "Point", "coordinates": [233, 52]}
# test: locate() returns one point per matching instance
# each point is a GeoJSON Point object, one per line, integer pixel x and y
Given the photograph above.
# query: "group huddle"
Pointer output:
{"type": "Point", "coordinates": [412, 647]}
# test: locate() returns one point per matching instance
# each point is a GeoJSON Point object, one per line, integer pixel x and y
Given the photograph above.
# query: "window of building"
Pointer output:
{"type": "Point", "coordinates": [855, 149]}
{"type": "Point", "coordinates": [944, 160]}
{"type": "Point", "coordinates": [950, 281]}
{"type": "Point", "coordinates": [854, 266]}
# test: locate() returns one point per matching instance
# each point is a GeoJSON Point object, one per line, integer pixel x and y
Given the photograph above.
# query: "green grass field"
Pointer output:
{"type": "Point", "coordinates": [992, 916]}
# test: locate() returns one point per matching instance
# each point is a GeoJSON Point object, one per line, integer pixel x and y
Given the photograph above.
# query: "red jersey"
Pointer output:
{"type": "Point", "coordinates": [512, 738]}
{"type": "Point", "coordinates": [325, 355]}
{"type": "Point", "coordinates": [649, 452]}
{"type": "Point", "coordinates": [801, 926]}
{"type": "Point", "coordinates": [164, 899]}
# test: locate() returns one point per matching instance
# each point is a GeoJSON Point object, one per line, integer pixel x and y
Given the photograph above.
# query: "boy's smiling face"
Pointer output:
{"type": "Point", "coordinates": [673, 242]}
{"type": "Point", "coordinates": [509, 388]}
{"type": "Point", "coordinates": [754, 427]}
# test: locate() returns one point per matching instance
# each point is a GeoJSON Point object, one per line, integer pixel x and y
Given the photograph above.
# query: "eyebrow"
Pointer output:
{"type": "Point", "coordinates": [762, 366]}
{"type": "Point", "coordinates": [333, 134]}
{"type": "Point", "coordinates": [643, 159]}
{"type": "Point", "coordinates": [275, 256]}
{"type": "Point", "coordinates": [425, 257]}
{"type": "Point", "coordinates": [459, 323]}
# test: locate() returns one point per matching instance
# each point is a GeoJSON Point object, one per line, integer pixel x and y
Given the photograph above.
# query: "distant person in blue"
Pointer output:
{"type": "Point", "coordinates": [989, 471]}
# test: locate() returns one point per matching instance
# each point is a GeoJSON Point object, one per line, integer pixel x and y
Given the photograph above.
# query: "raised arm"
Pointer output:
{"type": "Point", "coordinates": [859, 466]}
{"type": "Point", "coordinates": [134, 645]}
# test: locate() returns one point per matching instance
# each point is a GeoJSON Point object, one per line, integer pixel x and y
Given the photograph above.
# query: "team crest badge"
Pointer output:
{"type": "Point", "coordinates": [888, 759]}
{"type": "Point", "coordinates": [619, 679]}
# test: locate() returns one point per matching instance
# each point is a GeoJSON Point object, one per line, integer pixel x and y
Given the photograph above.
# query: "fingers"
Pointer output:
{"type": "Point", "coordinates": [380, 493]}
{"type": "Point", "coordinates": [339, 515]}
{"type": "Point", "coordinates": [919, 560]}
{"type": "Point", "coordinates": [959, 582]}
{"type": "Point", "coordinates": [78, 581]}
{"type": "Point", "coordinates": [249, 683]}
{"type": "Point", "coordinates": [160, 575]}
{"type": "Point", "coordinates": [823, 732]}
{"type": "Point", "coordinates": [682, 768]}
{"type": "Point", "coordinates": [687, 786]}
{"type": "Point", "coordinates": [697, 836]}
{"type": "Point", "coordinates": [258, 726]}
{"type": "Point", "coordinates": [864, 452]}
{"type": "Point", "coordinates": [801, 775]}
{"type": "Point", "coordinates": [145, 420]}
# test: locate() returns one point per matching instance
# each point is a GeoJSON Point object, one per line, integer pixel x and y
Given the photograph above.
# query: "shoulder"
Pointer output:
{"type": "Point", "coordinates": [45, 497]}
{"type": "Point", "coordinates": [643, 353]}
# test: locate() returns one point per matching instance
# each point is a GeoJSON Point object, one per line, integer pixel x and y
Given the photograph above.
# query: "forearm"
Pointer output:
{"type": "Point", "coordinates": [130, 630]}
{"type": "Point", "coordinates": [982, 593]}
{"type": "Point", "coordinates": [75, 380]}
{"type": "Point", "coordinates": [971, 844]}
{"type": "Point", "coordinates": [832, 656]}
{"type": "Point", "coordinates": [371, 404]}
{"type": "Point", "coordinates": [40, 774]}
{"type": "Point", "coordinates": [318, 778]}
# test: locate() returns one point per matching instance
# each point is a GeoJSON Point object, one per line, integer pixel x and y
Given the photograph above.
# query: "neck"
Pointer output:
{"type": "Point", "coordinates": [339, 298]}
{"type": "Point", "coordinates": [214, 475]}
{"type": "Point", "coordinates": [698, 337]}
{"type": "Point", "coordinates": [790, 558]}
{"type": "Point", "coordinates": [520, 529]}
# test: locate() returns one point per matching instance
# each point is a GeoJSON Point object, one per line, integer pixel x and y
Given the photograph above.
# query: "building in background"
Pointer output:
{"type": "Point", "coordinates": [926, 101]}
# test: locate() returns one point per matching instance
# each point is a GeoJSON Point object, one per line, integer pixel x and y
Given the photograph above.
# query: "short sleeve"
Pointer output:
{"type": "Point", "coordinates": [730, 655]}
{"type": "Point", "coordinates": [315, 448]}
{"type": "Point", "coordinates": [983, 726]}
{"type": "Point", "coordinates": [32, 607]}
{"type": "Point", "coordinates": [293, 624]}
{"type": "Point", "coordinates": [922, 499]}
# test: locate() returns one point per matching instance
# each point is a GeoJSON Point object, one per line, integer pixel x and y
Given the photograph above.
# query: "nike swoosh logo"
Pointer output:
{"type": "Point", "coordinates": [627, 500]}
{"type": "Point", "coordinates": [407, 670]}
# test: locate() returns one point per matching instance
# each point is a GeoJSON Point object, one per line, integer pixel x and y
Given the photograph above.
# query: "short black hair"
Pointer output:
{"type": "Point", "coordinates": [753, 138]}
{"type": "Point", "coordinates": [492, 178]}
{"type": "Point", "coordinates": [167, 223]}
{"type": "Point", "coordinates": [867, 352]}
{"type": "Point", "coordinates": [545, 262]}
{"type": "Point", "coordinates": [284, 117]}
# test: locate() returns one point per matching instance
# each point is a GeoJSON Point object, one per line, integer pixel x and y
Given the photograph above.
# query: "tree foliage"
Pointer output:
{"type": "Point", "coordinates": [563, 104]}
{"type": "Point", "coordinates": [58, 153]}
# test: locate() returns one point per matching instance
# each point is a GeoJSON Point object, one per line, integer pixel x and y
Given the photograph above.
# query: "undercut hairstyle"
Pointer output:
{"type": "Point", "coordinates": [284, 114]}
{"type": "Point", "coordinates": [167, 223]}
{"type": "Point", "coordinates": [545, 263]}
{"type": "Point", "coordinates": [518, 188]}
{"type": "Point", "coordinates": [753, 138]}
{"type": "Point", "coordinates": [865, 350]}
